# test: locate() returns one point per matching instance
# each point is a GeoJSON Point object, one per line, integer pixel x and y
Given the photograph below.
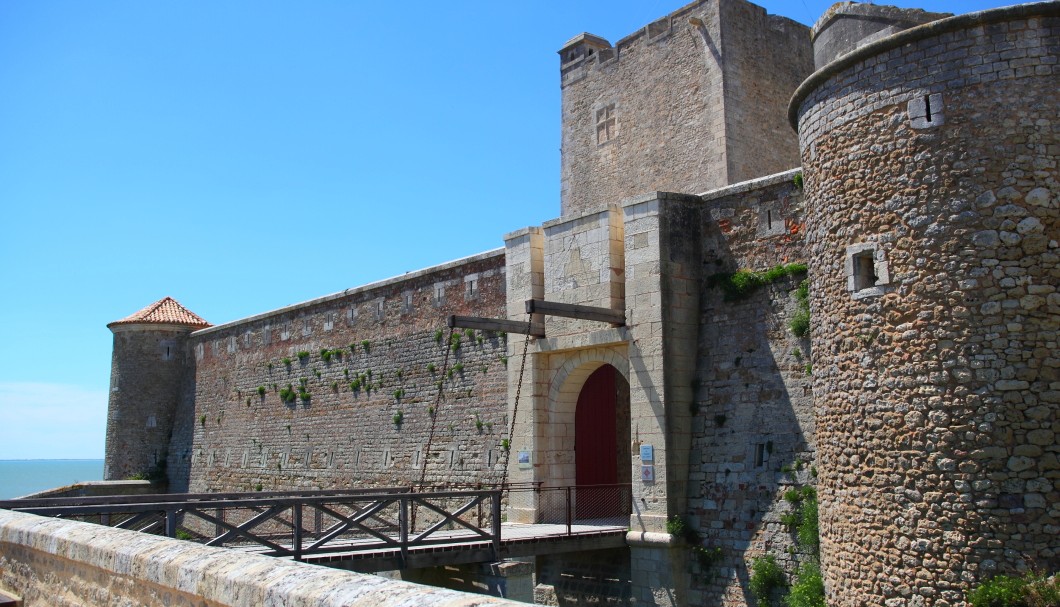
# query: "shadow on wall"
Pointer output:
{"type": "Point", "coordinates": [753, 412]}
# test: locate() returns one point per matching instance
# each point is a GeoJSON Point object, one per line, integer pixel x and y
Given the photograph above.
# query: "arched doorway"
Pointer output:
{"type": "Point", "coordinates": [601, 446]}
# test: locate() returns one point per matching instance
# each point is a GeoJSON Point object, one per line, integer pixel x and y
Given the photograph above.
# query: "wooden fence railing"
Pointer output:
{"type": "Point", "coordinates": [292, 525]}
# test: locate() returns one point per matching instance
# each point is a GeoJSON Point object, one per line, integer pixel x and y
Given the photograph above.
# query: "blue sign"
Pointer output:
{"type": "Point", "coordinates": [647, 453]}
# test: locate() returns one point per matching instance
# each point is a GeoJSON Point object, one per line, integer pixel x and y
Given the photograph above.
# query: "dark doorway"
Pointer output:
{"type": "Point", "coordinates": [601, 436]}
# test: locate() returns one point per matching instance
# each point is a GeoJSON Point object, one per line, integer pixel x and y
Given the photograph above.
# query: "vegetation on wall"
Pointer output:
{"type": "Point", "coordinates": [800, 321]}
{"type": "Point", "coordinates": [1031, 590]}
{"type": "Point", "coordinates": [766, 579]}
{"type": "Point", "coordinates": [741, 284]}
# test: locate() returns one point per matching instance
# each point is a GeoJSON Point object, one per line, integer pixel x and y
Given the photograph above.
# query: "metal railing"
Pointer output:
{"type": "Point", "coordinates": [581, 505]}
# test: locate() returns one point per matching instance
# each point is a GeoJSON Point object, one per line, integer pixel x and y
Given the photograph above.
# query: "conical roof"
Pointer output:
{"type": "Point", "coordinates": [165, 311]}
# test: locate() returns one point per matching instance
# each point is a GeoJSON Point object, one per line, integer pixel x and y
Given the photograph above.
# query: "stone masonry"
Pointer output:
{"type": "Point", "coordinates": [922, 404]}
{"type": "Point", "coordinates": [933, 214]}
{"type": "Point", "coordinates": [387, 350]}
{"type": "Point", "coordinates": [691, 102]}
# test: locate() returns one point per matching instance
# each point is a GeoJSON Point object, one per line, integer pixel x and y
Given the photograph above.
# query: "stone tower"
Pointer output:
{"type": "Point", "coordinates": [930, 161]}
{"type": "Point", "coordinates": [689, 103]}
{"type": "Point", "coordinates": [148, 368]}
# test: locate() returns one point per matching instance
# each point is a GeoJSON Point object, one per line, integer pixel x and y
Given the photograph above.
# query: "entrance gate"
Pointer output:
{"type": "Point", "coordinates": [596, 448]}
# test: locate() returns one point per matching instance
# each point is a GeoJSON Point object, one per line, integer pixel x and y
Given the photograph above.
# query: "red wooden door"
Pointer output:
{"type": "Point", "coordinates": [596, 447]}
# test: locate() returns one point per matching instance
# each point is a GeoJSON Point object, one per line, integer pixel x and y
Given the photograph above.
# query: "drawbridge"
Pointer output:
{"type": "Point", "coordinates": [370, 530]}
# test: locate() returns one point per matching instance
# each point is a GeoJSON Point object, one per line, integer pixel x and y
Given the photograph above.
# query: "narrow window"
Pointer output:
{"type": "Point", "coordinates": [329, 321]}
{"type": "Point", "coordinates": [605, 124]}
{"type": "Point", "coordinates": [760, 455]}
{"type": "Point", "coordinates": [769, 220]}
{"type": "Point", "coordinates": [306, 327]}
{"type": "Point", "coordinates": [926, 111]}
{"type": "Point", "coordinates": [864, 271]}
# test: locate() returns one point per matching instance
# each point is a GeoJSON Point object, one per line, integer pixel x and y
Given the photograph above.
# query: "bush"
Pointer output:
{"type": "Point", "coordinates": [1000, 591]}
{"type": "Point", "coordinates": [766, 576]}
{"type": "Point", "coordinates": [808, 589]}
{"type": "Point", "coordinates": [1031, 590]}
{"type": "Point", "coordinates": [800, 323]}
{"type": "Point", "coordinates": [809, 533]}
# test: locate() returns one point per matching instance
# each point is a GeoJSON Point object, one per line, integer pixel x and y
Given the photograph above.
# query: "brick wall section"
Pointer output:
{"type": "Point", "coordinates": [938, 391]}
{"type": "Point", "coordinates": [673, 129]}
{"type": "Point", "coordinates": [237, 439]}
{"type": "Point", "coordinates": [71, 564]}
{"type": "Point", "coordinates": [752, 389]}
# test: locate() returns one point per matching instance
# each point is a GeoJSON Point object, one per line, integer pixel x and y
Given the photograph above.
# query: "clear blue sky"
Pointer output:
{"type": "Point", "coordinates": [242, 156]}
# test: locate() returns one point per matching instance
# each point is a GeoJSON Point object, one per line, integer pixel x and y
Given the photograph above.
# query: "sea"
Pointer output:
{"type": "Point", "coordinates": [20, 477]}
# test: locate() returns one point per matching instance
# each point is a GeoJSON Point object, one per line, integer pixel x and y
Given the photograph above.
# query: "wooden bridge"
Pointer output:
{"type": "Point", "coordinates": [372, 529]}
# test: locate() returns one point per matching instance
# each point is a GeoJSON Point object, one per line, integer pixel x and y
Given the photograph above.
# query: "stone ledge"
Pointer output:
{"type": "Point", "coordinates": [218, 576]}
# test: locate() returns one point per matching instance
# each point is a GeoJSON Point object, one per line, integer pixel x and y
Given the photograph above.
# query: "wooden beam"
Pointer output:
{"type": "Point", "coordinates": [554, 308]}
{"type": "Point", "coordinates": [495, 324]}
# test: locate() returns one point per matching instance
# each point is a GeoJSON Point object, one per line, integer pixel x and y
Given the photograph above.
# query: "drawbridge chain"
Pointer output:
{"type": "Point", "coordinates": [515, 405]}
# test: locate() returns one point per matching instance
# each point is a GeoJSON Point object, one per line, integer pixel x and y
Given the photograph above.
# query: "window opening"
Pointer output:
{"type": "Point", "coordinates": [864, 270]}
{"type": "Point", "coordinates": [605, 124]}
{"type": "Point", "coordinates": [760, 455]}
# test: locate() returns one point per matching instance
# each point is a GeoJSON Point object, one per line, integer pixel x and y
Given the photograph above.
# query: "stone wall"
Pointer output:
{"type": "Point", "coordinates": [690, 102]}
{"type": "Point", "coordinates": [148, 365]}
{"type": "Point", "coordinates": [372, 404]}
{"type": "Point", "coordinates": [753, 426]}
{"type": "Point", "coordinates": [600, 577]}
{"type": "Point", "coordinates": [56, 563]}
{"type": "Point", "coordinates": [764, 58]}
{"type": "Point", "coordinates": [99, 489]}
{"type": "Point", "coordinates": [933, 218]}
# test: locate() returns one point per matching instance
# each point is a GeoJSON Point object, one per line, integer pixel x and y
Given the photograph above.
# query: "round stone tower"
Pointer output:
{"type": "Point", "coordinates": [933, 196]}
{"type": "Point", "coordinates": [147, 371]}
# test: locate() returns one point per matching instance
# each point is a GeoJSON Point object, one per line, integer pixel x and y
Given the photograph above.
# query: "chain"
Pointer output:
{"type": "Point", "coordinates": [437, 406]}
{"type": "Point", "coordinates": [515, 407]}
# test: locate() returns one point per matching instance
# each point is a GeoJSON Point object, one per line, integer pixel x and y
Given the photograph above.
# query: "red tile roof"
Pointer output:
{"type": "Point", "coordinates": [167, 311]}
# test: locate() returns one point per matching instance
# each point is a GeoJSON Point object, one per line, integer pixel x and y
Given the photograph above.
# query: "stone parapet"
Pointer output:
{"type": "Point", "coordinates": [87, 565]}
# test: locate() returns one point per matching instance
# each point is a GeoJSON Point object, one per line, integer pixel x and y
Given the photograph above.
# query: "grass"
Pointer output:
{"type": "Point", "coordinates": [741, 284]}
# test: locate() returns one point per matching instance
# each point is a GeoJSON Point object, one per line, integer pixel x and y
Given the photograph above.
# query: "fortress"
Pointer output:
{"type": "Point", "coordinates": [833, 253]}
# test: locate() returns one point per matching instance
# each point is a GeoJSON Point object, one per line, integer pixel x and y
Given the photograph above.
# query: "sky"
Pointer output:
{"type": "Point", "coordinates": [241, 156]}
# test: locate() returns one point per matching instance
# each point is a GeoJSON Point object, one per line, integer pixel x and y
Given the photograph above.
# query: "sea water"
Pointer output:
{"type": "Point", "coordinates": [19, 477]}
